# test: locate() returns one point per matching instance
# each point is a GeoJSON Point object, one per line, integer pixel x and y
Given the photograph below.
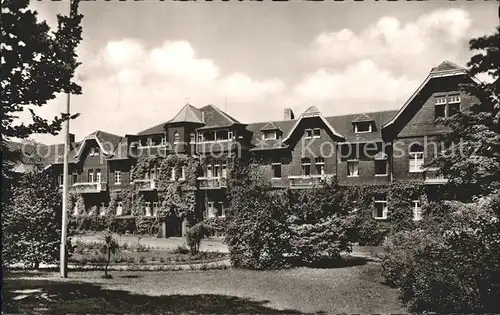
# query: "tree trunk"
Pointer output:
{"type": "Point", "coordinates": [107, 263]}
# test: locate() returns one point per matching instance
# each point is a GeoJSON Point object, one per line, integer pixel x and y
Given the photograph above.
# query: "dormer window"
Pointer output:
{"type": "Point", "coordinates": [308, 133]}
{"type": "Point", "coordinates": [96, 151]}
{"type": "Point", "coordinates": [269, 134]}
{"type": "Point", "coordinates": [363, 126]}
{"type": "Point", "coordinates": [91, 152]}
{"type": "Point", "coordinates": [316, 133]}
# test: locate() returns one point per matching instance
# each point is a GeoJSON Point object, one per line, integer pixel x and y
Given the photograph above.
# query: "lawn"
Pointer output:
{"type": "Point", "coordinates": [353, 289]}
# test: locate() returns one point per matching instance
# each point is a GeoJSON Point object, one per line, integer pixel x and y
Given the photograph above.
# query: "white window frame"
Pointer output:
{"type": "Point", "coordinates": [454, 99]}
{"type": "Point", "coordinates": [320, 162]}
{"type": "Point", "coordinates": [273, 165]}
{"type": "Point", "coordinates": [386, 166]}
{"type": "Point", "coordinates": [96, 151]}
{"type": "Point", "coordinates": [417, 210]}
{"type": "Point", "coordinates": [210, 209]}
{"type": "Point", "coordinates": [304, 164]}
{"type": "Point", "coordinates": [308, 133]}
{"type": "Point", "coordinates": [155, 208]}
{"type": "Point", "coordinates": [314, 133]}
{"type": "Point", "coordinates": [91, 152]}
{"type": "Point", "coordinates": [414, 157]}
{"type": "Point", "coordinates": [230, 135]}
{"type": "Point", "coordinates": [222, 210]}
{"type": "Point", "coordinates": [172, 174]}
{"type": "Point", "coordinates": [90, 174]}
{"type": "Point", "coordinates": [149, 142]}
{"type": "Point", "coordinates": [440, 100]}
{"type": "Point", "coordinates": [266, 133]}
{"type": "Point", "coordinates": [98, 176]}
{"type": "Point", "coordinates": [224, 171]}
{"type": "Point", "coordinates": [210, 173]}
{"type": "Point", "coordinates": [385, 210]}
{"type": "Point", "coordinates": [119, 208]}
{"type": "Point", "coordinates": [177, 137]}
{"type": "Point", "coordinates": [60, 180]}
{"type": "Point", "coordinates": [356, 129]}
{"type": "Point", "coordinates": [147, 209]}
{"type": "Point", "coordinates": [163, 141]}
{"type": "Point", "coordinates": [192, 137]}
{"type": "Point", "coordinates": [183, 173]}
{"type": "Point", "coordinates": [355, 172]}
{"type": "Point", "coordinates": [118, 177]}
{"type": "Point", "coordinates": [74, 177]}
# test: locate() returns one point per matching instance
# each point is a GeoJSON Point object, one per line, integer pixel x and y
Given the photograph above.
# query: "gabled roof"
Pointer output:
{"type": "Point", "coordinates": [214, 117]}
{"type": "Point", "coordinates": [106, 141]}
{"type": "Point", "coordinates": [269, 126]}
{"type": "Point", "coordinates": [312, 112]}
{"type": "Point", "coordinates": [444, 69]}
{"type": "Point", "coordinates": [157, 129]}
{"type": "Point", "coordinates": [188, 113]}
{"type": "Point", "coordinates": [362, 118]}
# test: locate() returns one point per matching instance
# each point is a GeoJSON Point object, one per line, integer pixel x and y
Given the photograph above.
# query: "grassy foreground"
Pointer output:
{"type": "Point", "coordinates": [352, 289]}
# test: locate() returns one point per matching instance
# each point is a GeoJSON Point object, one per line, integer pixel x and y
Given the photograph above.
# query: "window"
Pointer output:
{"type": "Point", "coordinates": [102, 209]}
{"type": "Point", "coordinates": [453, 99]}
{"type": "Point", "coordinates": [316, 133]}
{"type": "Point", "coordinates": [192, 137]}
{"type": "Point", "coordinates": [96, 151]}
{"type": "Point", "coordinates": [98, 175]}
{"type": "Point", "coordinates": [150, 142]}
{"type": "Point", "coordinates": [381, 209]}
{"type": "Point", "coordinates": [352, 168]}
{"type": "Point", "coordinates": [119, 208]}
{"type": "Point", "coordinates": [75, 177]}
{"type": "Point", "coordinates": [269, 134]}
{"type": "Point", "coordinates": [417, 210]}
{"type": "Point", "coordinates": [60, 180]}
{"type": "Point", "coordinates": [118, 177]}
{"type": "Point", "coordinates": [440, 100]}
{"type": "Point", "coordinates": [200, 137]}
{"type": "Point", "coordinates": [224, 170]}
{"type": "Point", "coordinates": [212, 212]}
{"type": "Point", "coordinates": [276, 170]}
{"type": "Point", "coordinates": [183, 172]}
{"type": "Point", "coordinates": [381, 167]}
{"type": "Point", "coordinates": [217, 170]}
{"type": "Point", "coordinates": [453, 109]}
{"type": "Point", "coordinates": [308, 133]}
{"type": "Point", "coordinates": [155, 208]}
{"type": "Point", "coordinates": [363, 126]}
{"type": "Point", "coordinates": [209, 136]}
{"type": "Point", "coordinates": [230, 135]}
{"type": "Point", "coordinates": [416, 157]}
{"type": "Point", "coordinates": [209, 171]}
{"type": "Point", "coordinates": [163, 141]}
{"type": "Point", "coordinates": [319, 162]}
{"type": "Point", "coordinates": [91, 152]}
{"type": "Point", "coordinates": [172, 174]}
{"type": "Point", "coordinates": [306, 167]}
{"type": "Point", "coordinates": [152, 171]}
{"type": "Point", "coordinates": [222, 210]}
{"type": "Point", "coordinates": [147, 209]}
{"type": "Point", "coordinates": [91, 176]}
{"type": "Point", "coordinates": [439, 111]}
{"type": "Point", "coordinates": [176, 137]}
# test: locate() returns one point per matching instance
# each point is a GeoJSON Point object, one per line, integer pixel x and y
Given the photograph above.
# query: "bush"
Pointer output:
{"type": "Point", "coordinates": [195, 234]}
{"type": "Point", "coordinates": [123, 225]}
{"type": "Point", "coordinates": [450, 264]}
{"type": "Point", "coordinates": [146, 225]}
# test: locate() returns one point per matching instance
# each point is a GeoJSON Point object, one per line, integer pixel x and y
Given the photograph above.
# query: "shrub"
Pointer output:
{"type": "Point", "coordinates": [195, 234]}
{"type": "Point", "coordinates": [123, 225]}
{"type": "Point", "coordinates": [450, 264]}
{"type": "Point", "coordinates": [181, 250]}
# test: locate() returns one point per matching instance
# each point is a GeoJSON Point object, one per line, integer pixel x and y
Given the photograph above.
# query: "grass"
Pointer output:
{"type": "Point", "coordinates": [91, 253]}
{"type": "Point", "coordinates": [351, 289]}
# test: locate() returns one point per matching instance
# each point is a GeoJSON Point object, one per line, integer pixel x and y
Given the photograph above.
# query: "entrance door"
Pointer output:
{"type": "Point", "coordinates": [174, 226]}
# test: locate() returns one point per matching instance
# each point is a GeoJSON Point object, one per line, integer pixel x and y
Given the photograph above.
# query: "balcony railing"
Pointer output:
{"type": "Point", "coordinates": [212, 182]}
{"type": "Point", "coordinates": [145, 184]}
{"type": "Point", "coordinates": [431, 177]}
{"type": "Point", "coordinates": [89, 187]}
{"type": "Point", "coordinates": [300, 182]}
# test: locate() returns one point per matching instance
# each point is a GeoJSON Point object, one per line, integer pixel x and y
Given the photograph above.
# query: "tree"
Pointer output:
{"type": "Point", "coordinates": [109, 247]}
{"type": "Point", "coordinates": [32, 221]}
{"type": "Point", "coordinates": [471, 160]}
{"type": "Point", "coordinates": [36, 65]}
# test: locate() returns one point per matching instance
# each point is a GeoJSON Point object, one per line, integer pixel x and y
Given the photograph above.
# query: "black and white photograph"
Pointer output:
{"type": "Point", "coordinates": [250, 157]}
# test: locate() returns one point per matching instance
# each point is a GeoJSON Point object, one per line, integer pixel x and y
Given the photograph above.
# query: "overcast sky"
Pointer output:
{"type": "Point", "coordinates": [143, 60]}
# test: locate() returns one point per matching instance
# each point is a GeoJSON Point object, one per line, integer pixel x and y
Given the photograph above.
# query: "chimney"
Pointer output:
{"type": "Point", "coordinates": [289, 114]}
{"type": "Point", "coordinates": [71, 138]}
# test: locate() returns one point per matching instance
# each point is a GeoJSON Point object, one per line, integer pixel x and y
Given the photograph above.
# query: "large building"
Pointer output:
{"type": "Point", "coordinates": [298, 152]}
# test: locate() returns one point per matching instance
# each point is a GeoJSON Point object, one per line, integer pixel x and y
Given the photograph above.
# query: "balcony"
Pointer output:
{"type": "Point", "coordinates": [431, 177]}
{"type": "Point", "coordinates": [304, 182]}
{"type": "Point", "coordinates": [89, 187]}
{"type": "Point", "coordinates": [212, 182]}
{"type": "Point", "coordinates": [145, 184]}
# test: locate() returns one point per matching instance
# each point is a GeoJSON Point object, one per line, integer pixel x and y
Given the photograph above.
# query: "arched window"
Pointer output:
{"type": "Point", "coordinates": [416, 158]}
{"type": "Point", "coordinates": [176, 137]}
